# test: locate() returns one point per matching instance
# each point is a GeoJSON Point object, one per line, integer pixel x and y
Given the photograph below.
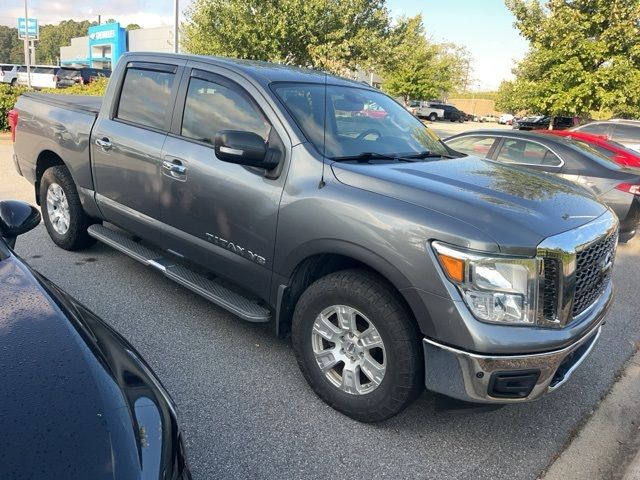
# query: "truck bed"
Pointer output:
{"type": "Point", "coordinates": [59, 124]}
{"type": "Point", "coordinates": [84, 103]}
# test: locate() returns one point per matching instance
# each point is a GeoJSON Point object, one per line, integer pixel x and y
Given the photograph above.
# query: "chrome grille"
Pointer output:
{"type": "Point", "coordinates": [593, 272]}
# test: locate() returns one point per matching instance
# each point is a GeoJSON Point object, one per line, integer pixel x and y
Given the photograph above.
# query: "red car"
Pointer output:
{"type": "Point", "coordinates": [612, 150]}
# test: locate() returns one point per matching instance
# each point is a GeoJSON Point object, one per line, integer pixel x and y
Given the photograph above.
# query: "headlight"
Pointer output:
{"type": "Point", "coordinates": [496, 289]}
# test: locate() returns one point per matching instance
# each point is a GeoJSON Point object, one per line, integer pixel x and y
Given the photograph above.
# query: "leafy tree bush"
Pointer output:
{"type": "Point", "coordinates": [8, 97]}
{"type": "Point", "coordinates": [96, 87]}
{"type": "Point", "coordinates": [584, 56]}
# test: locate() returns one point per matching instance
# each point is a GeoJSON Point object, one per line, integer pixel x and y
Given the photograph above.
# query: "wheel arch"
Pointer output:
{"type": "Point", "coordinates": [341, 256]}
{"type": "Point", "coordinates": [46, 159]}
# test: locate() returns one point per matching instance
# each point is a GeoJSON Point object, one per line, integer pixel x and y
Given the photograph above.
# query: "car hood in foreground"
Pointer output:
{"type": "Point", "coordinates": [76, 400]}
{"type": "Point", "coordinates": [516, 207]}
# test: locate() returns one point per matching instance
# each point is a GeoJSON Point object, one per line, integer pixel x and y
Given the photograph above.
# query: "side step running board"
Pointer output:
{"type": "Point", "coordinates": [213, 290]}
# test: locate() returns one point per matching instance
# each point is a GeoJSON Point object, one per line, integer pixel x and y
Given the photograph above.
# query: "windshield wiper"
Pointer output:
{"type": "Point", "coordinates": [366, 156]}
{"type": "Point", "coordinates": [427, 154]}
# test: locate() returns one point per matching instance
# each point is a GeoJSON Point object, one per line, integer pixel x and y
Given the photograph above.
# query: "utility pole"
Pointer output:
{"type": "Point", "coordinates": [27, 53]}
{"type": "Point", "coordinates": [176, 24]}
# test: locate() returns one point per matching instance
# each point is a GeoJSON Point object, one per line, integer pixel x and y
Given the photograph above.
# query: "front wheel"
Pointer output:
{"type": "Point", "coordinates": [62, 211]}
{"type": "Point", "coordinates": [357, 346]}
{"type": "Point", "coordinates": [433, 117]}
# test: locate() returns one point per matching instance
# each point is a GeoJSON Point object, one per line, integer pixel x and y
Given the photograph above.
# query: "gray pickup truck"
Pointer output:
{"type": "Point", "coordinates": [274, 193]}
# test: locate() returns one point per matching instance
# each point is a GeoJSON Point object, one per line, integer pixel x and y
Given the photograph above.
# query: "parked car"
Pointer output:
{"type": "Point", "coordinates": [451, 113]}
{"type": "Point", "coordinates": [488, 118]}
{"type": "Point", "coordinates": [74, 394]}
{"type": "Point", "coordinates": [612, 150]}
{"type": "Point", "coordinates": [372, 110]}
{"type": "Point", "coordinates": [68, 76]}
{"type": "Point", "coordinates": [393, 265]}
{"type": "Point", "coordinates": [9, 73]}
{"type": "Point", "coordinates": [567, 157]}
{"type": "Point", "coordinates": [42, 76]}
{"type": "Point", "coordinates": [541, 122]}
{"type": "Point", "coordinates": [423, 109]}
{"type": "Point", "coordinates": [505, 119]}
{"type": "Point", "coordinates": [624, 132]}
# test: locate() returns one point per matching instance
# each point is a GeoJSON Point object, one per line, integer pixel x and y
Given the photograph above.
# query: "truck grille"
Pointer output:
{"type": "Point", "coordinates": [550, 289]}
{"type": "Point", "coordinates": [593, 272]}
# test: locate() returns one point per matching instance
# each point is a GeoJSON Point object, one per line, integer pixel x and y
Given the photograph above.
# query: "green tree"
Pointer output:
{"type": "Point", "coordinates": [415, 68]}
{"type": "Point", "coordinates": [584, 56]}
{"type": "Point", "coordinates": [133, 26]}
{"type": "Point", "coordinates": [52, 37]}
{"type": "Point", "coordinates": [333, 35]}
{"type": "Point", "coordinates": [11, 47]}
{"type": "Point", "coordinates": [508, 99]}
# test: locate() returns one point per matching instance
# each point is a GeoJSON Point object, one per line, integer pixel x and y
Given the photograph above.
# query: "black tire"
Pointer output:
{"type": "Point", "coordinates": [13, 82]}
{"type": "Point", "coordinates": [403, 380]}
{"type": "Point", "coordinates": [76, 237]}
{"type": "Point", "coordinates": [433, 117]}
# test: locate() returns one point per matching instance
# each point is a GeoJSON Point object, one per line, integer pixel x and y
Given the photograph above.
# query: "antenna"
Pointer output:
{"type": "Point", "coordinates": [324, 133]}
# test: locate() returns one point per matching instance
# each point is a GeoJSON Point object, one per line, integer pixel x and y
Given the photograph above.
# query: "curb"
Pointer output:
{"type": "Point", "coordinates": [608, 444]}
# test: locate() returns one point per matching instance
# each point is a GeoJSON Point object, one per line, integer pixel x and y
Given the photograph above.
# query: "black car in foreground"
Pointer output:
{"type": "Point", "coordinates": [76, 399]}
{"type": "Point", "coordinates": [611, 183]}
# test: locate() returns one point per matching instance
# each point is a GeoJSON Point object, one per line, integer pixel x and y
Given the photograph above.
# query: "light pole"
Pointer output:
{"type": "Point", "coordinates": [176, 24]}
{"type": "Point", "coordinates": [27, 53]}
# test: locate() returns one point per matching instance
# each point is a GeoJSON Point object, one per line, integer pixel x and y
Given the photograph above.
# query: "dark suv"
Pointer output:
{"type": "Point", "coordinates": [68, 76]}
{"type": "Point", "coordinates": [450, 112]}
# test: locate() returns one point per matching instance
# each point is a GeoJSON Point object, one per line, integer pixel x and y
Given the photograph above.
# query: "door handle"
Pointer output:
{"type": "Point", "coordinates": [104, 143]}
{"type": "Point", "coordinates": [174, 168]}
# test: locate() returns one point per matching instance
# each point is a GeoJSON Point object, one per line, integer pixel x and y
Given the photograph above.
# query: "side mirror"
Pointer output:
{"type": "Point", "coordinates": [244, 148]}
{"type": "Point", "coordinates": [17, 218]}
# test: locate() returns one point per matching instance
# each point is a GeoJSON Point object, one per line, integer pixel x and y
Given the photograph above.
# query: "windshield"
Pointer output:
{"type": "Point", "coordinates": [358, 121]}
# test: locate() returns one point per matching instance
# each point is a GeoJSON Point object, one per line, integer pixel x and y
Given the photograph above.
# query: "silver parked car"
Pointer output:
{"type": "Point", "coordinates": [625, 132]}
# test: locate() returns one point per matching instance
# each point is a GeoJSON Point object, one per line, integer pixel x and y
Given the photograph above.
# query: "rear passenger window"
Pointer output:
{"type": "Point", "coordinates": [595, 128]}
{"type": "Point", "coordinates": [527, 153]}
{"type": "Point", "coordinates": [145, 97]}
{"type": "Point", "coordinates": [211, 107]}
{"type": "Point", "coordinates": [626, 133]}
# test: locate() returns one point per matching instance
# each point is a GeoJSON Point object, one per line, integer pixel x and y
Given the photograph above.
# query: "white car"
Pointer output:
{"type": "Point", "coordinates": [42, 76]}
{"type": "Point", "coordinates": [505, 119]}
{"type": "Point", "coordinates": [425, 110]}
{"type": "Point", "coordinates": [9, 73]}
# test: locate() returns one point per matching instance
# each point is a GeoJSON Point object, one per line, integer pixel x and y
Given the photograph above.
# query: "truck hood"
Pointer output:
{"type": "Point", "coordinates": [515, 206]}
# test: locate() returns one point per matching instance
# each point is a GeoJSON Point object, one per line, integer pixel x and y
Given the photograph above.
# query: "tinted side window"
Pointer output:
{"type": "Point", "coordinates": [626, 132]}
{"type": "Point", "coordinates": [211, 107]}
{"type": "Point", "coordinates": [595, 128]}
{"type": "Point", "coordinates": [529, 153]}
{"type": "Point", "coordinates": [478, 146]}
{"type": "Point", "coordinates": [145, 97]}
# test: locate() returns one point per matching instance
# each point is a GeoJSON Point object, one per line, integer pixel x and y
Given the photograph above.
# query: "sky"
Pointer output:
{"type": "Point", "coordinates": [484, 27]}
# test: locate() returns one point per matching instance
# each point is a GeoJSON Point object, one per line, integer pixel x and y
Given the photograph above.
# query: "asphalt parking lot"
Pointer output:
{"type": "Point", "coordinates": [247, 412]}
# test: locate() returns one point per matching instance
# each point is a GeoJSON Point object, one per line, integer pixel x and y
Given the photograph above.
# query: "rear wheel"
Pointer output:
{"type": "Point", "coordinates": [62, 211]}
{"type": "Point", "coordinates": [433, 117]}
{"type": "Point", "coordinates": [357, 347]}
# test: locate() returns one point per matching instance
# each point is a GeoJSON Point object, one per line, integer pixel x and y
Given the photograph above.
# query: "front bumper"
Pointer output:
{"type": "Point", "coordinates": [479, 378]}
